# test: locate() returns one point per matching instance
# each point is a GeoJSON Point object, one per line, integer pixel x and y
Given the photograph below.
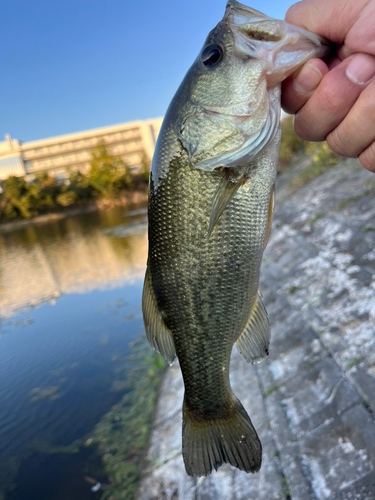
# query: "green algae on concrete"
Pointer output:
{"type": "Point", "coordinates": [122, 435]}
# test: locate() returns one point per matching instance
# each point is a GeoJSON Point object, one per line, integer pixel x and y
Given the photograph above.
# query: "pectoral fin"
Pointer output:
{"type": "Point", "coordinates": [224, 194]}
{"type": "Point", "coordinates": [254, 341]}
{"type": "Point", "coordinates": [271, 209]}
{"type": "Point", "coordinates": [157, 333]}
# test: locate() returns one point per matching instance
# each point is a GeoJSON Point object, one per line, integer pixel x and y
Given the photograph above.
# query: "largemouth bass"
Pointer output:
{"type": "Point", "coordinates": [210, 211]}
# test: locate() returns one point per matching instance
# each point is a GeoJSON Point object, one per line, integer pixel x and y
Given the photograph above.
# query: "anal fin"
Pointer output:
{"type": "Point", "coordinates": [158, 334]}
{"type": "Point", "coordinates": [254, 341]}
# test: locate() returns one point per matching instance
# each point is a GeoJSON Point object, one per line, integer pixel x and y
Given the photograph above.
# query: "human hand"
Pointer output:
{"type": "Point", "coordinates": [336, 102]}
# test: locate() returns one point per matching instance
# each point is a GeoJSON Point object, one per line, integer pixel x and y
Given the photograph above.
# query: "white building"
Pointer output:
{"type": "Point", "coordinates": [73, 151]}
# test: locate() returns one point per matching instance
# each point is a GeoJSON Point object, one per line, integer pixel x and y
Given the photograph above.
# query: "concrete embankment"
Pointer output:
{"type": "Point", "coordinates": [313, 399]}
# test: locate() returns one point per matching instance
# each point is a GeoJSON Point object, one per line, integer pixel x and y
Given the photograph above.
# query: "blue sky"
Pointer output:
{"type": "Point", "coordinates": [70, 65]}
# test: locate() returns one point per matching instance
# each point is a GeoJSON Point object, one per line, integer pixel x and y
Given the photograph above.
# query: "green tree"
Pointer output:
{"type": "Point", "coordinates": [66, 198]}
{"type": "Point", "coordinates": [144, 171]}
{"type": "Point", "coordinates": [80, 184]}
{"type": "Point", "coordinates": [43, 191]}
{"type": "Point", "coordinates": [16, 200]}
{"type": "Point", "coordinates": [108, 173]}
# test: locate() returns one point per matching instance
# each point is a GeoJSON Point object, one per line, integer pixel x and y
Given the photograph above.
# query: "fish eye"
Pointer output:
{"type": "Point", "coordinates": [212, 55]}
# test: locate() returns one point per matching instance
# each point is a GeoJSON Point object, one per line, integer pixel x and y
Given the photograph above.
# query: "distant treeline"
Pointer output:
{"type": "Point", "coordinates": [108, 176]}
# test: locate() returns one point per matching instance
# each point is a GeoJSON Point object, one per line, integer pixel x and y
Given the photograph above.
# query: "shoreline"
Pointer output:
{"type": "Point", "coordinates": [124, 200]}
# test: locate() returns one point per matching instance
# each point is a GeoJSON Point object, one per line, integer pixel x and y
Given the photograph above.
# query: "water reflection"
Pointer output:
{"type": "Point", "coordinates": [70, 295]}
{"type": "Point", "coordinates": [73, 255]}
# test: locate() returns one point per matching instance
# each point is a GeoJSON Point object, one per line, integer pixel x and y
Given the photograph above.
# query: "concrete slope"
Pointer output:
{"type": "Point", "coordinates": [313, 399]}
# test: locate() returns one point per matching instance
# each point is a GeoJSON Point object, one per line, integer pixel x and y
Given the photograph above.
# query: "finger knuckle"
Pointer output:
{"type": "Point", "coordinates": [301, 126]}
{"type": "Point", "coordinates": [336, 142]}
{"type": "Point", "coordinates": [367, 158]}
{"type": "Point", "coordinates": [339, 141]}
{"type": "Point", "coordinates": [330, 99]}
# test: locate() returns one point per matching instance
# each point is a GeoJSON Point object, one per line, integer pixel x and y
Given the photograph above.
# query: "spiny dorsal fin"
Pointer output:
{"type": "Point", "coordinates": [225, 192]}
{"type": "Point", "coordinates": [157, 332]}
{"type": "Point", "coordinates": [271, 209]}
{"type": "Point", "coordinates": [254, 341]}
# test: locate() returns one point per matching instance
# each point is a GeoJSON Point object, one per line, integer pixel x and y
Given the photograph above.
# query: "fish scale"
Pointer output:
{"type": "Point", "coordinates": [203, 295]}
{"type": "Point", "coordinates": [210, 211]}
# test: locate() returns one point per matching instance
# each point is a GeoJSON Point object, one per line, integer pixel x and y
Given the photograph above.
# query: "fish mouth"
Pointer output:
{"type": "Point", "coordinates": [283, 48]}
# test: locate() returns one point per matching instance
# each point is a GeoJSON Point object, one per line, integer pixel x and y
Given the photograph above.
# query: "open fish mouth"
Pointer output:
{"type": "Point", "coordinates": [281, 46]}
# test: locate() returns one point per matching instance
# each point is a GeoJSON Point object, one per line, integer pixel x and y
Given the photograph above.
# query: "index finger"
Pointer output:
{"type": "Point", "coordinates": [299, 87]}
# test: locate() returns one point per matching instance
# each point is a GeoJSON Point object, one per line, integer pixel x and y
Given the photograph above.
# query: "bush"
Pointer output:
{"type": "Point", "coordinates": [291, 144]}
{"type": "Point", "coordinates": [322, 160]}
{"type": "Point", "coordinates": [66, 199]}
{"type": "Point", "coordinates": [108, 173]}
{"type": "Point", "coordinates": [16, 200]}
{"type": "Point", "coordinates": [322, 156]}
{"type": "Point", "coordinates": [144, 172]}
{"type": "Point", "coordinates": [80, 184]}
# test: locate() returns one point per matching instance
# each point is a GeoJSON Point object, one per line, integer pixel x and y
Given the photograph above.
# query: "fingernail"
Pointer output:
{"type": "Point", "coordinates": [308, 79]}
{"type": "Point", "coordinates": [361, 69]}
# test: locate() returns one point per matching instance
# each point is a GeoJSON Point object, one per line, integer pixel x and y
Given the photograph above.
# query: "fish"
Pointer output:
{"type": "Point", "coordinates": [210, 209]}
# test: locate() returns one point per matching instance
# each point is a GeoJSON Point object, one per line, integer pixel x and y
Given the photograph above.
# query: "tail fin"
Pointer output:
{"type": "Point", "coordinates": [206, 445]}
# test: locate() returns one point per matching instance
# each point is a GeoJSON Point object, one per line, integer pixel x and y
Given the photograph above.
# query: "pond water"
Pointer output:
{"type": "Point", "coordinates": [70, 307]}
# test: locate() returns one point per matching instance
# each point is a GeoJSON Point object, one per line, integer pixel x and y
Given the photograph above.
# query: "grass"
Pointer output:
{"type": "Point", "coordinates": [285, 488]}
{"type": "Point", "coordinates": [291, 144]}
{"type": "Point", "coordinates": [367, 229]}
{"type": "Point", "coordinates": [347, 201]}
{"type": "Point", "coordinates": [311, 363]}
{"type": "Point", "coordinates": [316, 217]}
{"type": "Point", "coordinates": [292, 290]}
{"type": "Point", "coordinates": [323, 159]}
{"type": "Point", "coordinates": [271, 390]}
{"type": "Point", "coordinates": [366, 402]}
{"type": "Point", "coordinates": [353, 362]}
{"type": "Point", "coordinates": [370, 191]}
